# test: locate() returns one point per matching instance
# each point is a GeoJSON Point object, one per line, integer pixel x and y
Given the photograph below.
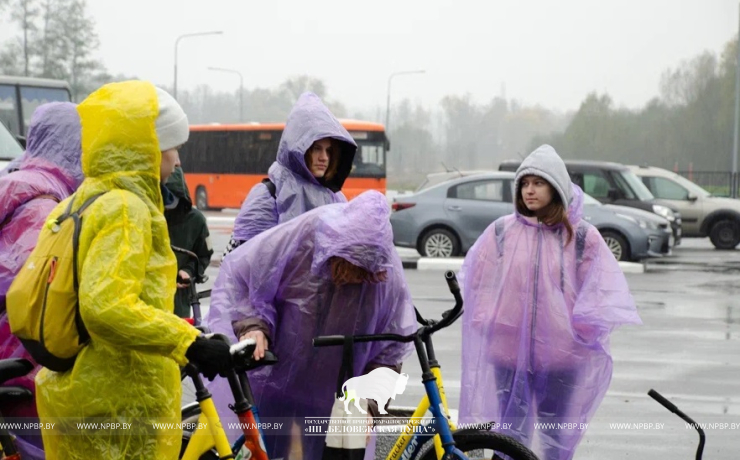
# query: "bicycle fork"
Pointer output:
{"type": "Point", "coordinates": [443, 441]}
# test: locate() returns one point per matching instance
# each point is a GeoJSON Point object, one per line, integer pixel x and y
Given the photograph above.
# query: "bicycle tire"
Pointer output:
{"type": "Point", "coordinates": [468, 441]}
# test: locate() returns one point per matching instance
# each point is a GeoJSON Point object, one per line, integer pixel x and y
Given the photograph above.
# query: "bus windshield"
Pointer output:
{"type": "Point", "coordinates": [370, 157]}
{"type": "Point", "coordinates": [19, 97]}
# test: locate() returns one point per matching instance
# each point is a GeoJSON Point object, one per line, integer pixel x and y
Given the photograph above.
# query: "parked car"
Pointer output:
{"type": "Point", "coordinates": [10, 149]}
{"type": "Point", "coordinates": [445, 220]}
{"type": "Point", "coordinates": [614, 183]}
{"type": "Point", "coordinates": [626, 242]}
{"type": "Point", "coordinates": [437, 178]}
{"type": "Point", "coordinates": [703, 214]}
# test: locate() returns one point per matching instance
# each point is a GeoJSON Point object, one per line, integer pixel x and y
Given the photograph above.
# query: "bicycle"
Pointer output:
{"type": "Point", "coordinates": [208, 440]}
{"type": "Point", "coordinates": [194, 295]}
{"type": "Point", "coordinates": [672, 407]}
{"type": "Point", "coordinates": [11, 369]}
{"type": "Point", "coordinates": [439, 439]}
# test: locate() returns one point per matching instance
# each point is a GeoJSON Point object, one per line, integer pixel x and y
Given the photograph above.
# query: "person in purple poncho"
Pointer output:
{"type": "Point", "coordinates": [330, 271]}
{"type": "Point", "coordinates": [542, 294]}
{"type": "Point", "coordinates": [49, 172]}
{"type": "Point", "coordinates": [313, 161]}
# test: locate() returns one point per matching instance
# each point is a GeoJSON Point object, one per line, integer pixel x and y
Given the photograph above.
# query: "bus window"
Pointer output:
{"type": "Point", "coordinates": [370, 157]}
{"type": "Point", "coordinates": [32, 97]}
{"type": "Point", "coordinates": [8, 109]}
{"type": "Point", "coordinates": [228, 152]}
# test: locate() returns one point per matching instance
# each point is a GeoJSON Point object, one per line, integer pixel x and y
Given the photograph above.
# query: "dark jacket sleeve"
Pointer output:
{"type": "Point", "coordinates": [200, 244]}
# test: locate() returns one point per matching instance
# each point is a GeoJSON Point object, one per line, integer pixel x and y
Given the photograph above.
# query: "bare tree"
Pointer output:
{"type": "Point", "coordinates": [24, 13]}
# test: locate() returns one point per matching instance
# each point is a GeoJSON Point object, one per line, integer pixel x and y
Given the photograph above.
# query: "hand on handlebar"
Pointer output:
{"type": "Point", "coordinates": [262, 343]}
{"type": "Point", "coordinates": [182, 274]}
{"type": "Point", "coordinates": [212, 356]}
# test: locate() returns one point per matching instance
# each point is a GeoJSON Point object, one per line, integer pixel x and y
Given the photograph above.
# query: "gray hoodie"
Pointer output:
{"type": "Point", "coordinates": [547, 164]}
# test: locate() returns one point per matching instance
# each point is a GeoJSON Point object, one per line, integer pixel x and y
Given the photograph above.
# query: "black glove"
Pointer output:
{"type": "Point", "coordinates": [211, 356]}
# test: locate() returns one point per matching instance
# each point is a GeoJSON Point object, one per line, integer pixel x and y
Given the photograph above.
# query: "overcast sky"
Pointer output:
{"type": "Point", "coordinates": [544, 51]}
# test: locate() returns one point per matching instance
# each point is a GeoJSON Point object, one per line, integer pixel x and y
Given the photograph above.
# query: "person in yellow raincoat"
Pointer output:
{"type": "Point", "coordinates": [125, 384]}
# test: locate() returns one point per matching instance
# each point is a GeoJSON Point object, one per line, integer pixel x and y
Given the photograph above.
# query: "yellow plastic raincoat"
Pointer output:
{"type": "Point", "coordinates": [128, 374]}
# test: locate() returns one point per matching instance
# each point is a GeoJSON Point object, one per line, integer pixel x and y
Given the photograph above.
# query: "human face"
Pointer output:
{"type": "Point", "coordinates": [318, 157]}
{"type": "Point", "coordinates": [170, 160]}
{"type": "Point", "coordinates": [536, 192]}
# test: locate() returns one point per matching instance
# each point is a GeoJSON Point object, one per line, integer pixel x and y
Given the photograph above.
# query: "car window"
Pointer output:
{"type": "Point", "coordinates": [667, 189]}
{"type": "Point", "coordinates": [9, 147]}
{"type": "Point", "coordinates": [631, 186]}
{"type": "Point", "coordinates": [8, 109]}
{"type": "Point", "coordinates": [595, 184]}
{"type": "Point", "coordinates": [490, 190]}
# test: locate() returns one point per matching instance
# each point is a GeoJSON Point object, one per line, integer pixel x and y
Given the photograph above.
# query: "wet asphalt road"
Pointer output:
{"type": "Point", "coordinates": [688, 349]}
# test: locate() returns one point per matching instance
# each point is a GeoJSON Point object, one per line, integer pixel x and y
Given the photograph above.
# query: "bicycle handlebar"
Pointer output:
{"type": "Point", "coordinates": [240, 346]}
{"type": "Point", "coordinates": [672, 407]}
{"type": "Point", "coordinates": [199, 279]}
{"type": "Point", "coordinates": [663, 402]}
{"type": "Point", "coordinates": [448, 318]}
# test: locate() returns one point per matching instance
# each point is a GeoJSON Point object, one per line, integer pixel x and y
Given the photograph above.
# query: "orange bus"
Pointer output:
{"type": "Point", "coordinates": [223, 162]}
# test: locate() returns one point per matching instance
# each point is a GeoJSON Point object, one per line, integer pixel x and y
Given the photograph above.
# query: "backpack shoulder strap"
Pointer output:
{"type": "Point", "coordinates": [270, 187]}
{"type": "Point", "coordinates": [88, 202]}
{"type": "Point", "coordinates": [77, 218]}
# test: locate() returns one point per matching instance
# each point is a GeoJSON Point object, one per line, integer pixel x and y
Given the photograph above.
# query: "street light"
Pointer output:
{"type": "Point", "coordinates": [736, 134]}
{"type": "Point", "coordinates": [241, 89]}
{"type": "Point", "coordinates": [388, 102]}
{"type": "Point", "coordinates": [216, 32]}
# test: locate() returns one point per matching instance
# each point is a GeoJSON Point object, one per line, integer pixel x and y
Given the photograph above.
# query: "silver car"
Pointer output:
{"type": "Point", "coordinates": [445, 220]}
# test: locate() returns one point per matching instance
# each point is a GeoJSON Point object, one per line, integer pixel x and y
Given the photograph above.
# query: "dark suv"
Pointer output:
{"type": "Point", "coordinates": [613, 183]}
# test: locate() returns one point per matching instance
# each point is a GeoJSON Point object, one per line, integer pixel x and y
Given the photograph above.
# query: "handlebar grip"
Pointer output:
{"type": "Point", "coordinates": [328, 341]}
{"type": "Point", "coordinates": [240, 346]}
{"type": "Point", "coordinates": [452, 281]}
{"type": "Point", "coordinates": [663, 402]}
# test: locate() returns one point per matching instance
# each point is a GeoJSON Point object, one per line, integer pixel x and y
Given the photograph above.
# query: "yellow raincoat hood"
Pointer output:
{"type": "Point", "coordinates": [128, 374]}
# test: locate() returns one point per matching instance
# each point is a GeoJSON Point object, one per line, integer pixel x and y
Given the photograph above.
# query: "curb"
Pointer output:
{"type": "Point", "coordinates": [455, 263]}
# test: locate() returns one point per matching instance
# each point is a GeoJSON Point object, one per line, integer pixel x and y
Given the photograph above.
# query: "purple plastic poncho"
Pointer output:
{"type": "Point", "coordinates": [297, 190]}
{"type": "Point", "coordinates": [50, 166]}
{"type": "Point", "coordinates": [538, 314]}
{"type": "Point", "coordinates": [282, 277]}
{"type": "Point", "coordinates": [12, 166]}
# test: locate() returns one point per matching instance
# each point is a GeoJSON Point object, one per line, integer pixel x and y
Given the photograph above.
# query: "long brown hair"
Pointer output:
{"type": "Point", "coordinates": [336, 153]}
{"type": "Point", "coordinates": [552, 214]}
{"type": "Point", "coordinates": [334, 157]}
{"type": "Point", "coordinates": [344, 272]}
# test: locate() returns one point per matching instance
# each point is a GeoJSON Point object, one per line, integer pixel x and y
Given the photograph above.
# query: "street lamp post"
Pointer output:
{"type": "Point", "coordinates": [177, 42]}
{"type": "Point", "coordinates": [388, 101]}
{"type": "Point", "coordinates": [241, 89]}
{"type": "Point", "coordinates": [736, 134]}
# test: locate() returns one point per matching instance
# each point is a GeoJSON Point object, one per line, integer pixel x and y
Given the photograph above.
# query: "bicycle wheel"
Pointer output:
{"type": "Point", "coordinates": [482, 445]}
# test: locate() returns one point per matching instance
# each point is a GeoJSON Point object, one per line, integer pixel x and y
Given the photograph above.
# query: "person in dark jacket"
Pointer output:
{"type": "Point", "coordinates": [188, 230]}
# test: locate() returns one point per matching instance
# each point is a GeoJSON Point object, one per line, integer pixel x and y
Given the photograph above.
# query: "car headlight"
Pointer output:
{"type": "Point", "coordinates": [664, 211]}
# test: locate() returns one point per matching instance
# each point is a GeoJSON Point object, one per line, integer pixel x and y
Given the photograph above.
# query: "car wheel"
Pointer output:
{"type": "Point", "coordinates": [201, 198]}
{"type": "Point", "coordinates": [725, 234]}
{"type": "Point", "coordinates": [440, 242]}
{"type": "Point", "coordinates": [617, 245]}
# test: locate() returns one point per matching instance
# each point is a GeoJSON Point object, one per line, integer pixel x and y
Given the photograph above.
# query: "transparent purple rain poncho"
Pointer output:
{"type": "Point", "coordinates": [282, 278]}
{"type": "Point", "coordinates": [297, 190]}
{"type": "Point", "coordinates": [538, 314]}
{"type": "Point", "coordinates": [50, 166]}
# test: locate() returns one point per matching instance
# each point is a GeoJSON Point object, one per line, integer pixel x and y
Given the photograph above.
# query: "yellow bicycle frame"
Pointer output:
{"type": "Point", "coordinates": [208, 434]}
{"type": "Point", "coordinates": [405, 437]}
